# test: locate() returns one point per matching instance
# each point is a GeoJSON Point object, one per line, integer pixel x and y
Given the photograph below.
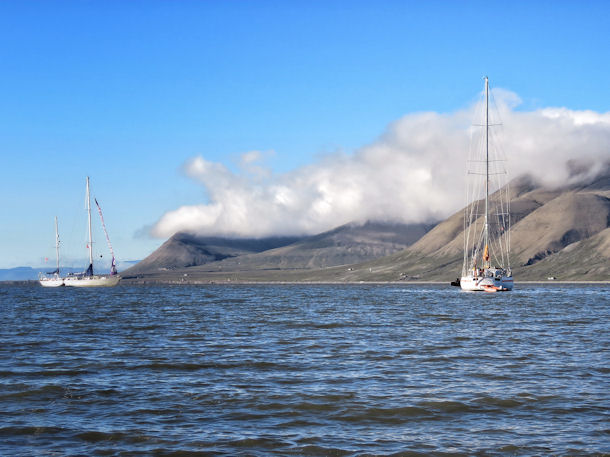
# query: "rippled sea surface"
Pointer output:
{"type": "Point", "coordinates": [305, 370]}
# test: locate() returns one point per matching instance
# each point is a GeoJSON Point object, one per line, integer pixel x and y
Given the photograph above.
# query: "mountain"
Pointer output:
{"type": "Point", "coordinates": [348, 244]}
{"type": "Point", "coordinates": [555, 232]}
{"type": "Point", "coordinates": [18, 274]}
{"type": "Point", "coordinates": [29, 273]}
{"type": "Point", "coordinates": [345, 245]}
{"type": "Point", "coordinates": [562, 232]}
{"type": "Point", "coordinates": [185, 250]}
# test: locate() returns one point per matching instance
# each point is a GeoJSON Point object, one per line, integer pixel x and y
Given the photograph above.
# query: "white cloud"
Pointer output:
{"type": "Point", "coordinates": [415, 172]}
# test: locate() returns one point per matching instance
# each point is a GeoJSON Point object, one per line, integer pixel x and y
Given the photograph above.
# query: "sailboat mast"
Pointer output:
{"type": "Point", "coordinates": [486, 167]}
{"type": "Point", "coordinates": [56, 245]}
{"type": "Point", "coordinates": [89, 221]}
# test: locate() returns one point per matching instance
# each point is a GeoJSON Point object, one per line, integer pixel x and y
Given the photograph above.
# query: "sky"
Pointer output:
{"type": "Point", "coordinates": [262, 117]}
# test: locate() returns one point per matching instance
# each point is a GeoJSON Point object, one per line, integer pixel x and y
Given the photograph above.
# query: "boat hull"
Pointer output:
{"type": "Point", "coordinates": [51, 282]}
{"type": "Point", "coordinates": [92, 281]}
{"type": "Point", "coordinates": [486, 283]}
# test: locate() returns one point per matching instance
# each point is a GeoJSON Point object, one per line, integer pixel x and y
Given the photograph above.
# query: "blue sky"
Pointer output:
{"type": "Point", "coordinates": [128, 91]}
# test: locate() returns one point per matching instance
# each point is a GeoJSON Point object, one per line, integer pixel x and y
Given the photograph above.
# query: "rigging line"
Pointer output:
{"type": "Point", "coordinates": [495, 105]}
{"type": "Point", "coordinates": [465, 241]}
{"type": "Point", "coordinates": [505, 218]}
{"type": "Point", "coordinates": [104, 226]}
{"type": "Point", "coordinates": [472, 229]}
{"type": "Point", "coordinates": [467, 230]}
{"type": "Point", "coordinates": [498, 244]}
{"type": "Point", "coordinates": [500, 247]}
{"type": "Point", "coordinates": [503, 245]}
{"type": "Point", "coordinates": [503, 205]}
{"type": "Point", "coordinates": [498, 227]}
{"type": "Point", "coordinates": [467, 225]}
{"type": "Point", "coordinates": [508, 225]}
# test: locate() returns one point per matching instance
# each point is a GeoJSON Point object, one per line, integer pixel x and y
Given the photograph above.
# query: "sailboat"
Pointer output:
{"type": "Point", "coordinates": [55, 280]}
{"type": "Point", "coordinates": [88, 278]}
{"type": "Point", "coordinates": [486, 264]}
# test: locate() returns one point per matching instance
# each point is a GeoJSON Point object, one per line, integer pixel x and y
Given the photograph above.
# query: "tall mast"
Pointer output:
{"type": "Point", "coordinates": [57, 245]}
{"type": "Point", "coordinates": [89, 221]}
{"type": "Point", "coordinates": [486, 235]}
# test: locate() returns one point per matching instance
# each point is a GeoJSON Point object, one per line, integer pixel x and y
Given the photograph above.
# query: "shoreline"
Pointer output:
{"type": "Point", "coordinates": [155, 282]}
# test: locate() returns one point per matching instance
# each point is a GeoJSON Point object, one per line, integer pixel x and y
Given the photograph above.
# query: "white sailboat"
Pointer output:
{"type": "Point", "coordinates": [486, 264]}
{"type": "Point", "coordinates": [88, 278]}
{"type": "Point", "coordinates": [55, 280]}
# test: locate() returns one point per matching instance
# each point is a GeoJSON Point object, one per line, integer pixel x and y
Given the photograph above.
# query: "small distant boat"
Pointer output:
{"type": "Point", "coordinates": [88, 278]}
{"type": "Point", "coordinates": [486, 264]}
{"type": "Point", "coordinates": [55, 280]}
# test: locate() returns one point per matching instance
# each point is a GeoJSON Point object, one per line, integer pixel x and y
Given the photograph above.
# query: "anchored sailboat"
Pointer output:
{"type": "Point", "coordinates": [55, 280]}
{"type": "Point", "coordinates": [88, 278]}
{"type": "Point", "coordinates": [486, 264]}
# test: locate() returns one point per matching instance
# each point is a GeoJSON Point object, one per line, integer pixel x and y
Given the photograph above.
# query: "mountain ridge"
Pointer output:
{"type": "Point", "coordinates": [347, 244]}
{"type": "Point", "coordinates": [561, 232]}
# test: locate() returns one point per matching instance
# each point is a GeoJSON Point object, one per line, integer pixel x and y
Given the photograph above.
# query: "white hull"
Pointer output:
{"type": "Point", "coordinates": [51, 282]}
{"type": "Point", "coordinates": [486, 283]}
{"type": "Point", "coordinates": [92, 281]}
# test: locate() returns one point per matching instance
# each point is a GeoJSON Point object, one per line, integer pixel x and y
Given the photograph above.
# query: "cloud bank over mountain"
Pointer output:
{"type": "Point", "coordinates": [414, 172]}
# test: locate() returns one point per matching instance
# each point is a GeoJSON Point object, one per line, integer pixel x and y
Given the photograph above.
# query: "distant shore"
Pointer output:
{"type": "Point", "coordinates": [157, 282]}
{"type": "Point", "coordinates": [160, 281]}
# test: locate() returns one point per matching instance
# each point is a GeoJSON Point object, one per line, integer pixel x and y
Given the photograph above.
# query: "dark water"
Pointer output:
{"type": "Point", "coordinates": [305, 370]}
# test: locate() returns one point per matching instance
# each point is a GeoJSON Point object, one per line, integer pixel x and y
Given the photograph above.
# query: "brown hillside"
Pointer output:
{"type": "Point", "coordinates": [564, 220]}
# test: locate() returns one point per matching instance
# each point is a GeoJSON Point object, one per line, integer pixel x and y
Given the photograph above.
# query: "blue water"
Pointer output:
{"type": "Point", "coordinates": [306, 370]}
